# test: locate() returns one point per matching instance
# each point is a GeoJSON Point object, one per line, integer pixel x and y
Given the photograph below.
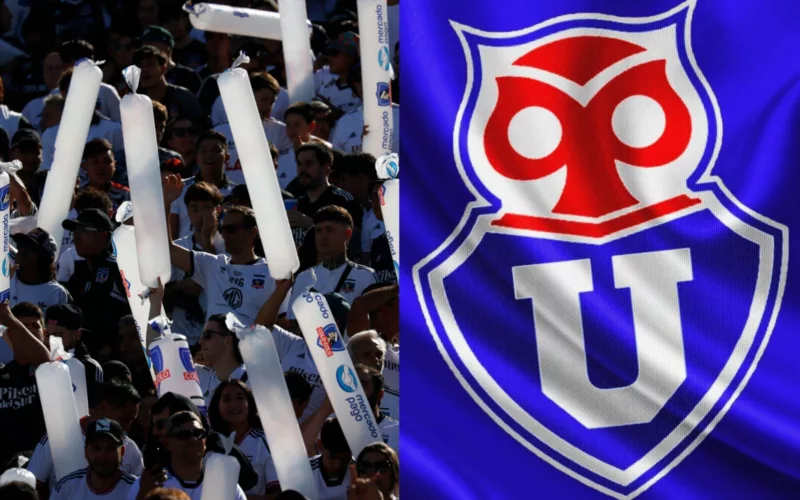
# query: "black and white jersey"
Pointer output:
{"type": "Point", "coordinates": [329, 488]}
{"type": "Point", "coordinates": [76, 486]}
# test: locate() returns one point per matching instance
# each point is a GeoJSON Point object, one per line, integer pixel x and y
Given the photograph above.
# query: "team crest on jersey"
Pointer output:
{"type": "Point", "coordinates": [634, 292]}
{"type": "Point", "coordinates": [258, 283]}
{"type": "Point", "coordinates": [102, 275]}
{"type": "Point", "coordinates": [349, 286]}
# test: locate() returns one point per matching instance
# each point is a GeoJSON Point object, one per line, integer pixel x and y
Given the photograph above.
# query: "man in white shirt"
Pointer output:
{"type": "Point", "coordinates": [333, 228]}
{"type": "Point", "coordinates": [331, 468]}
{"type": "Point", "coordinates": [221, 357]}
{"type": "Point", "coordinates": [265, 90]}
{"type": "Point", "coordinates": [104, 449]}
{"type": "Point", "coordinates": [300, 126]}
{"type": "Point", "coordinates": [237, 281]}
{"type": "Point", "coordinates": [332, 82]}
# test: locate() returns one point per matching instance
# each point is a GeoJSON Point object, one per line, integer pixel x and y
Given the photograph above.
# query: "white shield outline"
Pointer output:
{"type": "Point", "coordinates": [772, 239]}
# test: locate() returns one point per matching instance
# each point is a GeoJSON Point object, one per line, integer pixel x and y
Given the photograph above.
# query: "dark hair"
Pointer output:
{"type": "Point", "coordinates": [148, 52]}
{"type": "Point", "coordinates": [248, 216]}
{"type": "Point", "coordinates": [98, 146]}
{"type": "Point", "coordinates": [375, 376]}
{"type": "Point", "coordinates": [264, 81]}
{"type": "Point", "coordinates": [299, 389]}
{"type": "Point", "coordinates": [118, 392]}
{"type": "Point", "coordinates": [203, 191]}
{"type": "Point", "coordinates": [321, 151]}
{"type": "Point", "coordinates": [116, 370]}
{"type": "Point", "coordinates": [159, 112]}
{"type": "Point", "coordinates": [242, 194]}
{"type": "Point", "coordinates": [333, 213]}
{"type": "Point", "coordinates": [27, 310]}
{"type": "Point", "coordinates": [57, 99]}
{"type": "Point", "coordinates": [72, 51]}
{"type": "Point", "coordinates": [301, 109]}
{"type": "Point", "coordinates": [215, 416]}
{"type": "Point", "coordinates": [357, 164]}
{"type": "Point", "coordinates": [214, 136]}
{"type": "Point", "coordinates": [220, 320]}
{"type": "Point", "coordinates": [17, 490]}
{"type": "Point", "coordinates": [64, 81]}
{"type": "Point", "coordinates": [93, 198]}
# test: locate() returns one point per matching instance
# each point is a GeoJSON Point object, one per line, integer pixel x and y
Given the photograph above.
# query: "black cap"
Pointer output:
{"type": "Point", "coordinates": [90, 218]}
{"type": "Point", "coordinates": [37, 240]}
{"type": "Point", "coordinates": [104, 427]}
{"type": "Point", "coordinates": [332, 437]}
{"type": "Point", "coordinates": [26, 139]}
{"type": "Point", "coordinates": [66, 315]}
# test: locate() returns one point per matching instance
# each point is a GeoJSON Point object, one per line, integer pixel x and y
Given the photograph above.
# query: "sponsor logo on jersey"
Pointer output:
{"type": "Point", "coordinates": [233, 296]}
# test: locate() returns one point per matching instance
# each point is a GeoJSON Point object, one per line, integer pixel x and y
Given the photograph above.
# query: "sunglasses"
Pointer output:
{"type": "Point", "coordinates": [365, 467]}
{"type": "Point", "coordinates": [207, 334]}
{"type": "Point", "coordinates": [184, 131]}
{"type": "Point", "coordinates": [187, 434]}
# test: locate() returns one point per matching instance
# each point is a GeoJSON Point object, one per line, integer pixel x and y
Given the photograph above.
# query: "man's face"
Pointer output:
{"type": "Point", "coordinates": [30, 157]}
{"type": "Point", "coordinates": [52, 67]}
{"type": "Point", "coordinates": [161, 125]}
{"type": "Point", "coordinates": [69, 338]}
{"type": "Point", "coordinates": [237, 237]}
{"type": "Point", "coordinates": [27, 258]}
{"type": "Point", "coordinates": [124, 55]}
{"type": "Point", "coordinates": [368, 353]}
{"type": "Point", "coordinates": [211, 156]}
{"type": "Point", "coordinates": [331, 238]}
{"type": "Point", "coordinates": [36, 327]}
{"type": "Point", "coordinates": [129, 345]}
{"type": "Point", "coordinates": [100, 168]}
{"type": "Point", "coordinates": [357, 185]}
{"type": "Point", "coordinates": [90, 242]}
{"type": "Point", "coordinates": [338, 61]}
{"type": "Point", "coordinates": [51, 116]}
{"type": "Point", "coordinates": [369, 389]}
{"type": "Point", "coordinates": [152, 72]}
{"type": "Point", "coordinates": [265, 99]}
{"type": "Point", "coordinates": [124, 414]}
{"type": "Point", "coordinates": [184, 137]}
{"type": "Point", "coordinates": [322, 125]}
{"type": "Point", "coordinates": [163, 47]}
{"type": "Point", "coordinates": [310, 173]}
{"type": "Point", "coordinates": [185, 445]}
{"type": "Point", "coordinates": [296, 125]}
{"type": "Point", "coordinates": [199, 209]}
{"type": "Point", "coordinates": [104, 455]}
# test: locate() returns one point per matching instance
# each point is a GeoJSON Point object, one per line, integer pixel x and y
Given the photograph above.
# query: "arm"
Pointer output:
{"type": "Point", "coordinates": [21, 196]}
{"type": "Point", "coordinates": [268, 314]}
{"type": "Point", "coordinates": [358, 318]}
{"type": "Point", "coordinates": [313, 426]}
{"type": "Point", "coordinates": [179, 256]}
{"type": "Point", "coordinates": [23, 341]}
{"type": "Point", "coordinates": [156, 297]}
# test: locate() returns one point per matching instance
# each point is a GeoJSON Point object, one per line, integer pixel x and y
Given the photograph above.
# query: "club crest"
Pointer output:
{"type": "Point", "coordinates": [636, 294]}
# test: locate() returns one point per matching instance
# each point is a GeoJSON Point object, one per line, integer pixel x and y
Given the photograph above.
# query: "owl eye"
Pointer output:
{"type": "Point", "coordinates": [639, 121]}
{"type": "Point", "coordinates": [535, 132]}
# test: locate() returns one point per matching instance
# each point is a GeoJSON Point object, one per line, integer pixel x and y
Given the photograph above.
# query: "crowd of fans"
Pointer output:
{"type": "Point", "coordinates": [139, 445]}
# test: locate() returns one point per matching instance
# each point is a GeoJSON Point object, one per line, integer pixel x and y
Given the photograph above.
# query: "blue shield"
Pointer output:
{"type": "Point", "coordinates": [633, 293]}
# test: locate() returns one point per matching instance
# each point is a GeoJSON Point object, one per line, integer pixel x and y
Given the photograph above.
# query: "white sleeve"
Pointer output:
{"type": "Point", "coordinates": [284, 341]}
{"type": "Point", "coordinates": [109, 102]}
{"type": "Point", "coordinates": [202, 267]}
{"type": "Point", "coordinates": [66, 267]}
{"type": "Point", "coordinates": [41, 463]}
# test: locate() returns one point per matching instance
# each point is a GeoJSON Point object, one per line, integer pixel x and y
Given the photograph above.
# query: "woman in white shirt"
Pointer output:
{"type": "Point", "coordinates": [233, 409]}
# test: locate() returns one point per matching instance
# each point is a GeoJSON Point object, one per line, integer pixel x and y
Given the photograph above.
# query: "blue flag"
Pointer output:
{"type": "Point", "coordinates": [599, 218]}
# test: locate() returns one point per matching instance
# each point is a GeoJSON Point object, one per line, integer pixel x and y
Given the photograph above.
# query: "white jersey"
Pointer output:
{"type": "Point", "coordinates": [194, 490]}
{"type": "Point", "coordinates": [208, 380]}
{"type": "Point", "coordinates": [390, 405]}
{"type": "Point", "coordinates": [329, 489]}
{"type": "Point", "coordinates": [9, 120]}
{"type": "Point", "coordinates": [66, 263]}
{"type": "Point", "coordinates": [254, 446]}
{"type": "Point", "coordinates": [33, 111]}
{"type": "Point", "coordinates": [43, 295]}
{"type": "Point", "coordinates": [108, 102]}
{"type": "Point", "coordinates": [41, 464]}
{"type": "Point", "coordinates": [276, 134]}
{"type": "Point", "coordinates": [359, 278]}
{"type": "Point", "coordinates": [341, 96]}
{"type": "Point", "coordinates": [179, 208]}
{"type": "Point", "coordinates": [346, 134]}
{"type": "Point", "coordinates": [104, 129]}
{"type": "Point", "coordinates": [218, 115]}
{"type": "Point", "coordinates": [76, 486]}
{"type": "Point", "coordinates": [371, 228]}
{"type": "Point", "coordinates": [238, 288]}
{"type": "Point", "coordinates": [183, 321]}
{"type": "Point", "coordinates": [390, 432]}
{"type": "Point", "coordinates": [293, 353]}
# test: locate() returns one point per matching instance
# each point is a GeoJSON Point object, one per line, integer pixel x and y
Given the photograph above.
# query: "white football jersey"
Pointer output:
{"type": "Point", "coordinates": [360, 277]}
{"type": "Point", "coordinates": [75, 486]}
{"type": "Point", "coordinates": [66, 263]}
{"type": "Point", "coordinates": [41, 463]}
{"type": "Point", "coordinates": [341, 96]}
{"type": "Point", "coordinates": [43, 295]}
{"type": "Point", "coordinates": [207, 377]}
{"type": "Point", "coordinates": [346, 134]}
{"type": "Point", "coordinates": [104, 129]}
{"type": "Point", "coordinates": [179, 207]}
{"type": "Point", "coordinates": [276, 134]}
{"type": "Point", "coordinates": [390, 405]}
{"type": "Point", "coordinates": [194, 490]}
{"type": "Point", "coordinates": [238, 288]}
{"type": "Point", "coordinates": [254, 446]}
{"type": "Point", "coordinates": [9, 120]}
{"type": "Point", "coordinates": [329, 489]}
{"type": "Point", "coordinates": [293, 353]}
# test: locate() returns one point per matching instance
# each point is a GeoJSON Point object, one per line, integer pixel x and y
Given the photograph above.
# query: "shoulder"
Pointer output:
{"type": "Point", "coordinates": [360, 268]}
{"type": "Point", "coordinates": [78, 475]}
{"type": "Point", "coordinates": [341, 193]}
{"type": "Point", "coordinates": [185, 242]}
{"type": "Point", "coordinates": [128, 478]}
{"type": "Point", "coordinates": [45, 440]}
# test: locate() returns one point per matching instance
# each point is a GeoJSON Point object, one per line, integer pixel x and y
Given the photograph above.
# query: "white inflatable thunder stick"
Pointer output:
{"type": "Point", "coordinates": [173, 364]}
{"type": "Point", "coordinates": [388, 167]}
{"type": "Point", "coordinates": [70, 141]}
{"type": "Point", "coordinates": [236, 21]}
{"type": "Point", "coordinates": [275, 408]}
{"type": "Point", "coordinates": [144, 176]}
{"type": "Point", "coordinates": [376, 76]}
{"type": "Point", "coordinates": [77, 374]}
{"type": "Point", "coordinates": [336, 370]}
{"type": "Point", "coordinates": [221, 473]}
{"type": "Point", "coordinates": [296, 47]}
{"type": "Point", "coordinates": [123, 242]}
{"type": "Point", "coordinates": [60, 418]}
{"type": "Point", "coordinates": [259, 170]}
